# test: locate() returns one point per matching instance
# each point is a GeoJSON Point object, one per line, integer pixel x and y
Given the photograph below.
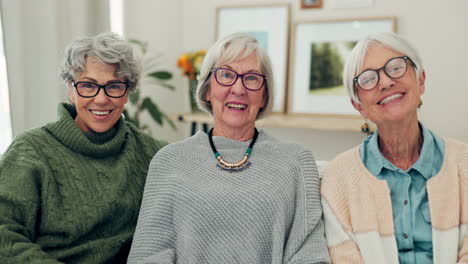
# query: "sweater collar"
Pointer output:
{"type": "Point", "coordinates": [98, 145]}
{"type": "Point", "coordinates": [227, 143]}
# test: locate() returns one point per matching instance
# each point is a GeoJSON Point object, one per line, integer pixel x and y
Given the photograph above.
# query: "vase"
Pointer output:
{"type": "Point", "coordinates": [192, 92]}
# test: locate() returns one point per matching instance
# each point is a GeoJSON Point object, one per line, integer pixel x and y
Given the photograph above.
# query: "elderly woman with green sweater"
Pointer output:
{"type": "Point", "coordinates": [236, 194]}
{"type": "Point", "coordinates": [402, 195]}
{"type": "Point", "coordinates": [70, 191]}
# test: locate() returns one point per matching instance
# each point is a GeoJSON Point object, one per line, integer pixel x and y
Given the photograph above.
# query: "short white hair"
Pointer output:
{"type": "Point", "coordinates": [229, 49]}
{"type": "Point", "coordinates": [355, 60]}
{"type": "Point", "coordinates": [107, 48]}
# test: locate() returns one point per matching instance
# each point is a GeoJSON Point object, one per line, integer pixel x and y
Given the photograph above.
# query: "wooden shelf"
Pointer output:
{"type": "Point", "coordinates": [312, 121]}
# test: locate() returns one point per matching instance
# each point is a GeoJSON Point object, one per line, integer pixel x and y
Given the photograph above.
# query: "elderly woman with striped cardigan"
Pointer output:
{"type": "Point", "coordinates": [402, 195]}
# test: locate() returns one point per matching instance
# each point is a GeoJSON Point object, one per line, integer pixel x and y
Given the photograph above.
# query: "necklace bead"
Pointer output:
{"type": "Point", "coordinates": [233, 167]}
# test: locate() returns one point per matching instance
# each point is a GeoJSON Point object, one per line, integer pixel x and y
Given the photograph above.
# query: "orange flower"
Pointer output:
{"type": "Point", "coordinates": [190, 63]}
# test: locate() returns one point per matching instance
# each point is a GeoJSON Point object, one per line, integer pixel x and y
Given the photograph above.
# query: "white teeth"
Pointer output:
{"type": "Point", "coordinates": [237, 106]}
{"type": "Point", "coordinates": [391, 97]}
{"type": "Point", "coordinates": [100, 113]}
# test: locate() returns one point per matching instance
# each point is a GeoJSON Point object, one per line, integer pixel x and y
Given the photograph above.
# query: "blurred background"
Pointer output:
{"type": "Point", "coordinates": [35, 33]}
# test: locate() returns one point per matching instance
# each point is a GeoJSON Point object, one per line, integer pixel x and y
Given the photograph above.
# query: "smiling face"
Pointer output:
{"type": "Point", "coordinates": [99, 113]}
{"type": "Point", "coordinates": [234, 107]}
{"type": "Point", "coordinates": [392, 100]}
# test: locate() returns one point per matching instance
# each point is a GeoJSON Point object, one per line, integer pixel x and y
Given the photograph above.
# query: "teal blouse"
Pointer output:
{"type": "Point", "coordinates": [411, 216]}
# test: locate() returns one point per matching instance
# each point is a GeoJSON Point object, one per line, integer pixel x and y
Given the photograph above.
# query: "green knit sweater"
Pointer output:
{"type": "Point", "coordinates": [73, 197]}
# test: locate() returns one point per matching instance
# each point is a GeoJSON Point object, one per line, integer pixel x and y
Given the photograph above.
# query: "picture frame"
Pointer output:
{"type": "Point", "coordinates": [270, 25]}
{"type": "Point", "coordinates": [311, 4]}
{"type": "Point", "coordinates": [318, 89]}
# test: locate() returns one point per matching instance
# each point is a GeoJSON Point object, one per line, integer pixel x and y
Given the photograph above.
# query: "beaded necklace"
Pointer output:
{"type": "Point", "coordinates": [232, 167]}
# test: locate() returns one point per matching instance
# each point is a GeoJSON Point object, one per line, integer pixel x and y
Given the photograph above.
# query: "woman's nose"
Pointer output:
{"type": "Point", "coordinates": [101, 97]}
{"type": "Point", "coordinates": [238, 87]}
{"type": "Point", "coordinates": [385, 81]}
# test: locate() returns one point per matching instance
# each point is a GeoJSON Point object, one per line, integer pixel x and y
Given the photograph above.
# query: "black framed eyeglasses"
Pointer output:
{"type": "Point", "coordinates": [394, 68]}
{"type": "Point", "coordinates": [90, 89]}
{"type": "Point", "coordinates": [227, 77]}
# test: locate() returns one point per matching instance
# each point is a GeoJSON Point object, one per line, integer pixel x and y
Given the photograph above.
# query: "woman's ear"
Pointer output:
{"type": "Point", "coordinates": [358, 107]}
{"type": "Point", "coordinates": [422, 81]}
{"type": "Point", "coordinates": [265, 99]}
{"type": "Point", "coordinates": [71, 93]}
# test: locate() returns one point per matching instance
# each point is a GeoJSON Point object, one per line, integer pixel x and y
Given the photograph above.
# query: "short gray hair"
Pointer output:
{"type": "Point", "coordinates": [229, 49]}
{"type": "Point", "coordinates": [107, 48]}
{"type": "Point", "coordinates": [356, 58]}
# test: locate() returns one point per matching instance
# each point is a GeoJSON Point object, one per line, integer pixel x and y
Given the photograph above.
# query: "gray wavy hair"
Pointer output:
{"type": "Point", "coordinates": [107, 48]}
{"type": "Point", "coordinates": [356, 58]}
{"type": "Point", "coordinates": [229, 49]}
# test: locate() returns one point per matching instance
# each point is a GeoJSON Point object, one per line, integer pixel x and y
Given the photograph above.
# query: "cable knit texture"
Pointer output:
{"type": "Point", "coordinates": [358, 210]}
{"type": "Point", "coordinates": [73, 197]}
{"type": "Point", "coordinates": [195, 212]}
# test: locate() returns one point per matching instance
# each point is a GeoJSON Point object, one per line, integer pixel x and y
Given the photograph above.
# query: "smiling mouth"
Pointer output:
{"type": "Point", "coordinates": [390, 98]}
{"type": "Point", "coordinates": [101, 113]}
{"type": "Point", "coordinates": [236, 106]}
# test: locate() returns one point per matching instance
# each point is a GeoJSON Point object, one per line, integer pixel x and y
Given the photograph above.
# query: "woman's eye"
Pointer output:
{"type": "Point", "coordinates": [228, 75]}
{"type": "Point", "coordinates": [114, 86]}
{"type": "Point", "coordinates": [367, 80]}
{"type": "Point", "coordinates": [395, 68]}
{"type": "Point", "coordinates": [88, 85]}
{"type": "Point", "coordinates": [251, 78]}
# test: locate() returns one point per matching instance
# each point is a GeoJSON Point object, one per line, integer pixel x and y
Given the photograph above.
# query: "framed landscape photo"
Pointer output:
{"type": "Point", "coordinates": [269, 24]}
{"type": "Point", "coordinates": [319, 51]}
{"type": "Point", "coordinates": [311, 3]}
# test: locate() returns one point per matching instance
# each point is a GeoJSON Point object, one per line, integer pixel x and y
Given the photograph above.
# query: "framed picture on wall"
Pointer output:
{"type": "Point", "coordinates": [269, 24]}
{"type": "Point", "coordinates": [319, 51]}
{"type": "Point", "coordinates": [311, 3]}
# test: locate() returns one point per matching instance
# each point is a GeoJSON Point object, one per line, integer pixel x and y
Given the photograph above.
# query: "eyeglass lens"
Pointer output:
{"type": "Point", "coordinates": [394, 68]}
{"type": "Point", "coordinates": [252, 81]}
{"type": "Point", "coordinates": [89, 89]}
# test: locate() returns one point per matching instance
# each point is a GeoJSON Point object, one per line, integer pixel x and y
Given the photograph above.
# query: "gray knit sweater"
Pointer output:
{"type": "Point", "coordinates": [194, 212]}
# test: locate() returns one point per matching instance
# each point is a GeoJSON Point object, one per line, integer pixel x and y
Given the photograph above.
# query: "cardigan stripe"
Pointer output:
{"type": "Point", "coordinates": [358, 214]}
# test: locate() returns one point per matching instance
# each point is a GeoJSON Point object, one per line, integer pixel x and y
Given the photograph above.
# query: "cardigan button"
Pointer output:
{"type": "Point", "coordinates": [405, 202]}
{"type": "Point", "coordinates": [405, 235]}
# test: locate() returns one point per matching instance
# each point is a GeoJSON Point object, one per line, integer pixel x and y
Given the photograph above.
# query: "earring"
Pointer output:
{"type": "Point", "coordinates": [366, 129]}
{"type": "Point", "coordinates": [420, 103]}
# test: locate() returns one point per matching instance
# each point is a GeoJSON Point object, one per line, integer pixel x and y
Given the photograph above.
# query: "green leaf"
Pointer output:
{"type": "Point", "coordinates": [134, 97]}
{"type": "Point", "coordinates": [131, 120]}
{"type": "Point", "coordinates": [141, 44]}
{"type": "Point", "coordinates": [161, 75]}
{"type": "Point", "coordinates": [125, 113]}
{"type": "Point", "coordinates": [166, 85]}
{"type": "Point", "coordinates": [170, 122]}
{"type": "Point", "coordinates": [153, 110]}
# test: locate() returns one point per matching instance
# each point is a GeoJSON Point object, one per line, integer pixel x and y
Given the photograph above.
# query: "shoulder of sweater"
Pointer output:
{"type": "Point", "coordinates": [455, 144]}
{"type": "Point", "coordinates": [284, 147]}
{"type": "Point", "coordinates": [144, 137]}
{"type": "Point", "coordinates": [25, 150]}
{"type": "Point", "coordinates": [344, 158]}
{"type": "Point", "coordinates": [342, 165]}
{"type": "Point", "coordinates": [187, 143]}
{"type": "Point", "coordinates": [28, 137]}
{"type": "Point", "coordinates": [457, 150]}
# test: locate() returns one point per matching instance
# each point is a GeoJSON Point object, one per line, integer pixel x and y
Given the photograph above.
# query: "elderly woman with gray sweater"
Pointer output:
{"type": "Point", "coordinates": [236, 194]}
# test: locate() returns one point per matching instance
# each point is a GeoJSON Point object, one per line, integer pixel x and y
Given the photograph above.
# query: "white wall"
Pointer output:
{"type": "Point", "coordinates": [38, 30]}
{"type": "Point", "coordinates": [35, 35]}
{"type": "Point", "coordinates": [159, 24]}
{"type": "Point", "coordinates": [439, 29]}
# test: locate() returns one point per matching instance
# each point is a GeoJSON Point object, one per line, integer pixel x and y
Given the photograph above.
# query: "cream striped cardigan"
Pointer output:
{"type": "Point", "coordinates": [358, 210]}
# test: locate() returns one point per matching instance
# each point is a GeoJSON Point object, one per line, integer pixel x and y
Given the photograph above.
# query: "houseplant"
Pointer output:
{"type": "Point", "coordinates": [141, 104]}
{"type": "Point", "coordinates": [190, 63]}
